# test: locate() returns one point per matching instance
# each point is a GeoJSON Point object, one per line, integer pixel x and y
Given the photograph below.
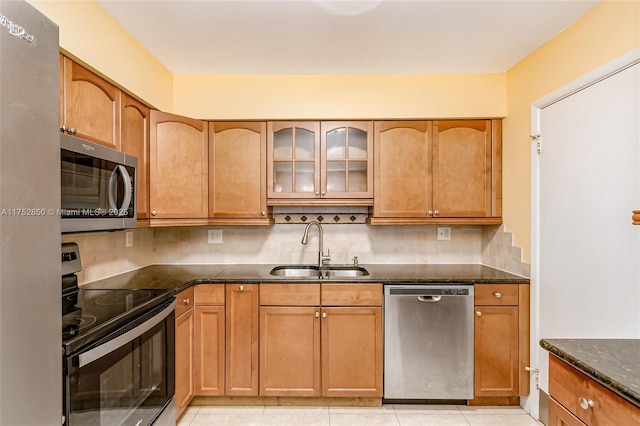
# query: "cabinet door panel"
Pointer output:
{"type": "Point", "coordinates": [134, 139]}
{"type": "Point", "coordinates": [241, 376]}
{"type": "Point", "coordinates": [462, 168]}
{"type": "Point", "coordinates": [402, 169]}
{"type": "Point", "coordinates": [289, 351]}
{"type": "Point", "coordinates": [184, 361]}
{"type": "Point", "coordinates": [237, 178]}
{"type": "Point", "coordinates": [91, 106]}
{"type": "Point", "coordinates": [560, 416]}
{"type": "Point", "coordinates": [496, 351]}
{"type": "Point", "coordinates": [352, 352]}
{"type": "Point", "coordinates": [293, 153]}
{"type": "Point", "coordinates": [179, 167]}
{"type": "Point", "coordinates": [346, 159]}
{"type": "Point", "coordinates": [209, 354]}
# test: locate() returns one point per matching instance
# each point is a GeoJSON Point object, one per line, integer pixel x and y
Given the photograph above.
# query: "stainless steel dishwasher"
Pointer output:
{"type": "Point", "coordinates": [428, 342]}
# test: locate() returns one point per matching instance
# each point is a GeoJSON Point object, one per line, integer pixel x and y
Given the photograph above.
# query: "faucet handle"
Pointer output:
{"type": "Point", "coordinates": [326, 257]}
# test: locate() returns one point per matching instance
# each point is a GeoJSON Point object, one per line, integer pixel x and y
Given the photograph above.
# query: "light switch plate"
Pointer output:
{"type": "Point", "coordinates": [444, 233]}
{"type": "Point", "coordinates": [128, 239]}
{"type": "Point", "coordinates": [215, 236]}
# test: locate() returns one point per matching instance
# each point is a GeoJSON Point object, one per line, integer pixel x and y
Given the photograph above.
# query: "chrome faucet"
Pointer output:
{"type": "Point", "coordinates": [322, 258]}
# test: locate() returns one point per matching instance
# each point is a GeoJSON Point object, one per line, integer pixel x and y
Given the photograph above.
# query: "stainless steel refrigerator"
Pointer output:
{"type": "Point", "coordinates": [30, 304]}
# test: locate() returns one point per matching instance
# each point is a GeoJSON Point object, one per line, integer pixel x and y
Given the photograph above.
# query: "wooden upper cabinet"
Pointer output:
{"type": "Point", "coordinates": [90, 106]}
{"type": "Point", "coordinates": [462, 168]}
{"type": "Point", "coordinates": [237, 170]}
{"type": "Point", "coordinates": [346, 159]}
{"type": "Point", "coordinates": [179, 166]}
{"type": "Point", "coordinates": [446, 171]}
{"type": "Point", "coordinates": [403, 175]}
{"type": "Point", "coordinates": [134, 139]}
{"type": "Point", "coordinates": [320, 163]}
{"type": "Point", "coordinates": [293, 153]}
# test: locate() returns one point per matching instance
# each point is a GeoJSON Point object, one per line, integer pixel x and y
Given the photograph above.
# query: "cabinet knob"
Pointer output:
{"type": "Point", "coordinates": [478, 313]}
{"type": "Point", "coordinates": [263, 213]}
{"type": "Point", "coordinates": [186, 301]}
{"type": "Point", "coordinates": [430, 212]}
{"type": "Point", "coordinates": [73, 131]}
{"type": "Point", "coordinates": [317, 193]}
{"type": "Point", "coordinates": [154, 212]}
{"type": "Point", "coordinates": [317, 315]}
{"type": "Point", "coordinates": [497, 295]}
{"type": "Point", "coordinates": [585, 403]}
{"type": "Point", "coordinates": [324, 315]}
{"type": "Point", "coordinates": [64, 128]}
{"type": "Point", "coordinates": [323, 193]}
{"type": "Point", "coordinates": [241, 288]}
{"type": "Point", "coordinates": [436, 212]}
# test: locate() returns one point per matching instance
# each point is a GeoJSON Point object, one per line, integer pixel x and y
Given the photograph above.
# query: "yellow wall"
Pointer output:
{"type": "Point", "coordinates": [340, 96]}
{"type": "Point", "coordinates": [607, 31]}
{"type": "Point", "coordinates": [90, 34]}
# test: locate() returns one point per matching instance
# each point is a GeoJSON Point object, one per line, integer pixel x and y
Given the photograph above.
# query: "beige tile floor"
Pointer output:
{"type": "Point", "coordinates": [387, 415]}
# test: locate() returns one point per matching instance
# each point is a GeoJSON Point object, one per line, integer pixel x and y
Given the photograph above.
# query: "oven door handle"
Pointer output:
{"type": "Point", "coordinates": [129, 336]}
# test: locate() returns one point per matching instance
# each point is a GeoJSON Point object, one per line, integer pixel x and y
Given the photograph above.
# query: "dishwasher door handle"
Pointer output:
{"type": "Point", "coordinates": [430, 299]}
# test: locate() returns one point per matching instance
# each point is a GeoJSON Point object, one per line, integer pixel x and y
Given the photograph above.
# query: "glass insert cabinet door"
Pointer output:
{"type": "Point", "coordinates": [294, 159]}
{"type": "Point", "coordinates": [320, 160]}
{"type": "Point", "coordinates": [346, 151]}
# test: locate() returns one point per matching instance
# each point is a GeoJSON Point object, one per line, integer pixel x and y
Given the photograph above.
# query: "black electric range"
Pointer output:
{"type": "Point", "coordinates": [89, 315]}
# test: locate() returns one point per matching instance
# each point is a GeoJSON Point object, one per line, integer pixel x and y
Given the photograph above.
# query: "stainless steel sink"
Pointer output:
{"type": "Point", "coordinates": [325, 272]}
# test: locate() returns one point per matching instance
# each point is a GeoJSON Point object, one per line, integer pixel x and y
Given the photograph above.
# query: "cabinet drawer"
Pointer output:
{"type": "Point", "coordinates": [351, 294]}
{"type": "Point", "coordinates": [210, 294]}
{"type": "Point", "coordinates": [290, 294]}
{"type": "Point", "coordinates": [559, 416]}
{"type": "Point", "coordinates": [568, 385]}
{"type": "Point", "coordinates": [496, 294]}
{"type": "Point", "coordinates": [184, 301]}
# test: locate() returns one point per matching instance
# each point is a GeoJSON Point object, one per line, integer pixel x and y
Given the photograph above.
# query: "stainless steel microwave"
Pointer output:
{"type": "Point", "coordinates": [98, 186]}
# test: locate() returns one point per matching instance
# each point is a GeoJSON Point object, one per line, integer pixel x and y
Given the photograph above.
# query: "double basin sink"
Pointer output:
{"type": "Point", "coordinates": [324, 272]}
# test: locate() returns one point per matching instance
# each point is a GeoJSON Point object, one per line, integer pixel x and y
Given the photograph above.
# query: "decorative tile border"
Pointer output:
{"type": "Point", "coordinates": [323, 218]}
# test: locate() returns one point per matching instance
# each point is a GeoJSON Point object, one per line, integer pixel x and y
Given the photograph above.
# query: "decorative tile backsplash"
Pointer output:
{"type": "Point", "coordinates": [104, 254]}
{"type": "Point", "coordinates": [323, 218]}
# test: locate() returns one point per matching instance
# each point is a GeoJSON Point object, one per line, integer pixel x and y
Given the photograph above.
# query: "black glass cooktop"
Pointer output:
{"type": "Point", "coordinates": [89, 315]}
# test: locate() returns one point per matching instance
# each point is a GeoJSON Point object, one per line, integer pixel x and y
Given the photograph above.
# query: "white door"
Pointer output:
{"type": "Point", "coordinates": [586, 182]}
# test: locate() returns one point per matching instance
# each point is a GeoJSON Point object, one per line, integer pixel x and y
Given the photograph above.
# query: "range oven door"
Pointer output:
{"type": "Point", "coordinates": [127, 378]}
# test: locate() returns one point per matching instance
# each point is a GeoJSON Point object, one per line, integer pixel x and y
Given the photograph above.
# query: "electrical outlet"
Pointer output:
{"type": "Point", "coordinates": [215, 236]}
{"type": "Point", "coordinates": [129, 239]}
{"type": "Point", "coordinates": [444, 233]}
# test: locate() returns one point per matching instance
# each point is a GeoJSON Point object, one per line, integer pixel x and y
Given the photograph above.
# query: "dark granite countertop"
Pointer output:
{"type": "Point", "coordinates": [615, 363]}
{"type": "Point", "coordinates": [179, 277]}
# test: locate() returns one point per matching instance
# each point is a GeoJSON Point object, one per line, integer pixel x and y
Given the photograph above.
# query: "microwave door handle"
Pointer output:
{"type": "Point", "coordinates": [113, 188]}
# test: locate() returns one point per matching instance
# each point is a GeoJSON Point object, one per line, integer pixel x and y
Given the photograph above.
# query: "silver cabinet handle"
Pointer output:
{"type": "Point", "coordinates": [585, 403]}
{"type": "Point", "coordinates": [430, 212]}
{"type": "Point", "coordinates": [478, 313]}
{"type": "Point", "coordinates": [323, 193]}
{"type": "Point", "coordinates": [154, 212]}
{"type": "Point", "coordinates": [436, 212]}
{"type": "Point", "coordinates": [263, 213]}
{"type": "Point", "coordinates": [186, 301]}
{"type": "Point", "coordinates": [317, 315]}
{"type": "Point", "coordinates": [324, 315]}
{"type": "Point", "coordinates": [497, 295]}
{"type": "Point", "coordinates": [72, 131]}
{"type": "Point", "coordinates": [64, 128]}
{"type": "Point", "coordinates": [241, 288]}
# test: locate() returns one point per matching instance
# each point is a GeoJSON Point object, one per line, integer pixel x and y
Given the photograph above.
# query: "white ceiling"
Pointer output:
{"type": "Point", "coordinates": [343, 37]}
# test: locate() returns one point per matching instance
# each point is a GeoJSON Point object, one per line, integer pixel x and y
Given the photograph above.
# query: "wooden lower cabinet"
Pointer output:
{"type": "Point", "coordinates": [314, 350]}
{"type": "Point", "coordinates": [560, 416]}
{"type": "Point", "coordinates": [209, 339]}
{"type": "Point", "coordinates": [290, 351]}
{"type": "Point", "coordinates": [241, 306]}
{"type": "Point", "coordinates": [577, 399]}
{"type": "Point", "coordinates": [501, 340]}
{"type": "Point", "coordinates": [351, 351]}
{"type": "Point", "coordinates": [184, 352]}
